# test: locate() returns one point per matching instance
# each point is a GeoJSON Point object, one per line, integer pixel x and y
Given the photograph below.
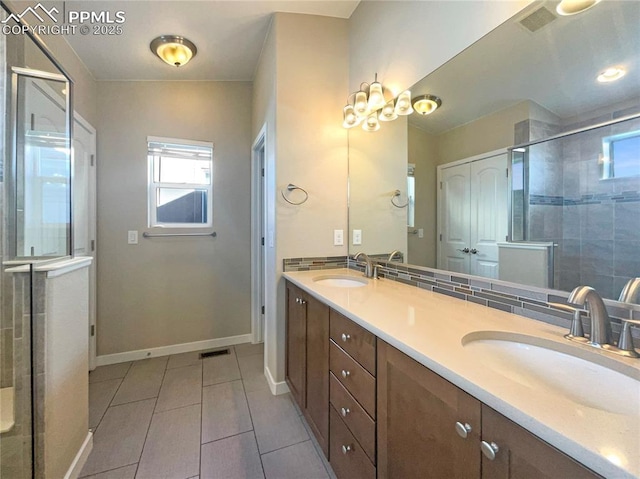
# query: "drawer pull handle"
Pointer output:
{"type": "Point", "coordinates": [346, 449]}
{"type": "Point", "coordinates": [463, 429]}
{"type": "Point", "coordinates": [344, 411]}
{"type": "Point", "coordinates": [346, 337]}
{"type": "Point", "coordinates": [489, 449]}
{"type": "Point", "coordinates": [345, 374]}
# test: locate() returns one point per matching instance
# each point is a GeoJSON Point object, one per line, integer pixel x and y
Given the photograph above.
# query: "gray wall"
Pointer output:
{"type": "Point", "coordinates": [179, 290]}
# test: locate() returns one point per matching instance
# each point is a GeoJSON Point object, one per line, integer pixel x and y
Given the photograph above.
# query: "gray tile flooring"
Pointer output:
{"type": "Point", "coordinates": [182, 417]}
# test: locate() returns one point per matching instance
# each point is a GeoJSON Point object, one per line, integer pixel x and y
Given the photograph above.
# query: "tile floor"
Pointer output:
{"type": "Point", "coordinates": [182, 417]}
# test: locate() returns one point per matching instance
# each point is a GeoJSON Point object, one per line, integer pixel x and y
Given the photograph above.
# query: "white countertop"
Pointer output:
{"type": "Point", "coordinates": [429, 327]}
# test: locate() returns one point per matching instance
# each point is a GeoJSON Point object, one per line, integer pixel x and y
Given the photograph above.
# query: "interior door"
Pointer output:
{"type": "Point", "coordinates": [84, 212]}
{"type": "Point", "coordinates": [454, 213]}
{"type": "Point", "coordinates": [489, 195]}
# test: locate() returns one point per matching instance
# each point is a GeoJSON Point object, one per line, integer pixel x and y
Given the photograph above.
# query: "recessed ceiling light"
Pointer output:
{"type": "Point", "coordinates": [611, 74]}
{"type": "Point", "coordinates": [573, 7]}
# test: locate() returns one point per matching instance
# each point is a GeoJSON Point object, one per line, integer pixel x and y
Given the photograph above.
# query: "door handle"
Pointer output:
{"type": "Point", "coordinates": [466, 250]}
{"type": "Point", "coordinates": [473, 251]}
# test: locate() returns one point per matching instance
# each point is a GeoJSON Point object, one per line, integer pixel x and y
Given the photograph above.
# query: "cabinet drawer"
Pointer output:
{"type": "Point", "coordinates": [346, 457]}
{"type": "Point", "coordinates": [356, 419]}
{"type": "Point", "coordinates": [354, 378]}
{"type": "Point", "coordinates": [355, 340]}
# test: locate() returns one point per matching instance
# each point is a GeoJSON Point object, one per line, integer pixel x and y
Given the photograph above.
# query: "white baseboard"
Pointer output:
{"type": "Point", "coordinates": [277, 388]}
{"type": "Point", "coordinates": [81, 458]}
{"type": "Point", "coordinates": [172, 349]}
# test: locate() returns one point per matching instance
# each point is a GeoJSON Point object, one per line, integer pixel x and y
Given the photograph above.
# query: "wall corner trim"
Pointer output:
{"type": "Point", "coordinates": [81, 458]}
{"type": "Point", "coordinates": [277, 388]}
{"type": "Point", "coordinates": [107, 359]}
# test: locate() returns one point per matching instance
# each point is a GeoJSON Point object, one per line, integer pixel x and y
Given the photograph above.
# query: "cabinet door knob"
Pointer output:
{"type": "Point", "coordinates": [302, 301]}
{"type": "Point", "coordinates": [463, 429]}
{"type": "Point", "coordinates": [344, 411]}
{"type": "Point", "coordinates": [345, 374]}
{"type": "Point", "coordinates": [298, 300]}
{"type": "Point", "coordinates": [346, 449]}
{"type": "Point", "coordinates": [489, 449]}
{"type": "Point", "coordinates": [346, 337]}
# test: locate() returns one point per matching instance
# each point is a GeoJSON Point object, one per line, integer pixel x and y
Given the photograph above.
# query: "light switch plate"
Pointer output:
{"type": "Point", "coordinates": [338, 237]}
{"type": "Point", "coordinates": [420, 232]}
{"type": "Point", "coordinates": [132, 237]}
{"type": "Point", "coordinates": [357, 237]}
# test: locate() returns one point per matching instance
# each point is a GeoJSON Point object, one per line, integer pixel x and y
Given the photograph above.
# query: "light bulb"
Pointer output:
{"type": "Point", "coordinates": [371, 123]}
{"type": "Point", "coordinates": [403, 104]}
{"type": "Point", "coordinates": [360, 106]}
{"type": "Point", "coordinates": [376, 96]}
{"type": "Point", "coordinates": [426, 104]}
{"type": "Point", "coordinates": [349, 116]}
{"type": "Point", "coordinates": [388, 112]}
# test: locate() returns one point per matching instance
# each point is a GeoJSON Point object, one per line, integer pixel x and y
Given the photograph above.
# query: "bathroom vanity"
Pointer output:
{"type": "Point", "coordinates": [400, 382]}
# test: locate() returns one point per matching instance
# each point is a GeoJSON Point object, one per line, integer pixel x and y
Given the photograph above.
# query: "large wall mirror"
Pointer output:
{"type": "Point", "coordinates": [438, 188]}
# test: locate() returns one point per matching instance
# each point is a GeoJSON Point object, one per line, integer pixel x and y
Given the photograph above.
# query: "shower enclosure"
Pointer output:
{"type": "Point", "coordinates": [580, 192]}
{"type": "Point", "coordinates": [35, 207]}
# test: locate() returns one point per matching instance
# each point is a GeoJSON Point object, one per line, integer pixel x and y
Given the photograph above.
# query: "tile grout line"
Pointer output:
{"type": "Point", "coordinates": [111, 470]}
{"type": "Point", "coordinates": [114, 394]}
{"type": "Point", "coordinates": [253, 427]}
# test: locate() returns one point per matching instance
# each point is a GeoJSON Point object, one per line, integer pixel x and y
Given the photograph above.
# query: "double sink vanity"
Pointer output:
{"type": "Point", "coordinates": [396, 381]}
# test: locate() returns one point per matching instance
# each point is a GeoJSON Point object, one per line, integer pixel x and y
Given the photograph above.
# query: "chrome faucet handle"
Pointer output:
{"type": "Point", "coordinates": [576, 331]}
{"type": "Point", "coordinates": [625, 343]}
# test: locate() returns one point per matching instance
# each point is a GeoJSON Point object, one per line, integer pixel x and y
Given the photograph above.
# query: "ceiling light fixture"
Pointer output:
{"type": "Point", "coordinates": [611, 74]}
{"type": "Point", "coordinates": [372, 104]}
{"type": "Point", "coordinates": [573, 7]}
{"type": "Point", "coordinates": [173, 49]}
{"type": "Point", "coordinates": [426, 104]}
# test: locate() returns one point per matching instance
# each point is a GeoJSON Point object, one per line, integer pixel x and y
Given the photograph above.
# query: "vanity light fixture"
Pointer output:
{"type": "Point", "coordinates": [573, 7]}
{"type": "Point", "coordinates": [372, 104]}
{"type": "Point", "coordinates": [611, 74]}
{"type": "Point", "coordinates": [173, 49]}
{"type": "Point", "coordinates": [426, 104]}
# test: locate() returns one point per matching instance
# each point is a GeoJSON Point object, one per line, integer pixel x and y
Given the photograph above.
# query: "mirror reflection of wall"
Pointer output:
{"type": "Point", "coordinates": [516, 85]}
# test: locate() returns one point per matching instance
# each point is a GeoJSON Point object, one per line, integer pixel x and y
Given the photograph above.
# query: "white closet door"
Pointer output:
{"type": "Point", "coordinates": [489, 197]}
{"type": "Point", "coordinates": [454, 222]}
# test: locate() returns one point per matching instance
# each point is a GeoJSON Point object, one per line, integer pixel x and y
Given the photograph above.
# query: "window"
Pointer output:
{"type": "Point", "coordinates": [621, 156]}
{"type": "Point", "coordinates": [180, 185]}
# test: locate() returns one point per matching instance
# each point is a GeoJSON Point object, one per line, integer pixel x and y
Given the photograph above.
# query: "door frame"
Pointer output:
{"type": "Point", "coordinates": [258, 235]}
{"type": "Point", "coordinates": [93, 233]}
{"type": "Point", "coordinates": [439, 204]}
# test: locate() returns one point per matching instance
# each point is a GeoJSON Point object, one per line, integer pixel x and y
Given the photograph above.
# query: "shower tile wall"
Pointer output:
{"type": "Point", "coordinates": [594, 222]}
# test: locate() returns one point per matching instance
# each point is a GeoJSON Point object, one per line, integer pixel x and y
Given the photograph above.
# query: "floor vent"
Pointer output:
{"type": "Point", "coordinates": [209, 354]}
{"type": "Point", "coordinates": [538, 19]}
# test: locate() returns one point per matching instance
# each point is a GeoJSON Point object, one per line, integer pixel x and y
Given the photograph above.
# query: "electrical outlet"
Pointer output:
{"type": "Point", "coordinates": [357, 237]}
{"type": "Point", "coordinates": [132, 237]}
{"type": "Point", "coordinates": [338, 237]}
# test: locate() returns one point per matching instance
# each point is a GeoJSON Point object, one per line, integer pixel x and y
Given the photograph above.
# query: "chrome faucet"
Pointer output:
{"type": "Point", "coordinates": [631, 291]}
{"type": "Point", "coordinates": [600, 337]}
{"type": "Point", "coordinates": [393, 254]}
{"type": "Point", "coordinates": [369, 270]}
{"type": "Point", "coordinates": [600, 322]}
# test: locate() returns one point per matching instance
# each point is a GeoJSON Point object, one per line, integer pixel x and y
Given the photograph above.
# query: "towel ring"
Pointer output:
{"type": "Point", "coordinates": [396, 194]}
{"type": "Point", "coordinates": [291, 187]}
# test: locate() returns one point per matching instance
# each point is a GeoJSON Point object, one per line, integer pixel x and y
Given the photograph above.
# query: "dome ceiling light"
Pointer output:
{"type": "Point", "coordinates": [426, 104]}
{"type": "Point", "coordinates": [173, 49]}
{"type": "Point", "coordinates": [573, 7]}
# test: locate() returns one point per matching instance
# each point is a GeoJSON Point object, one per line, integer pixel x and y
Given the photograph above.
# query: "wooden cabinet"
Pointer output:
{"type": "Point", "coordinates": [352, 365]}
{"type": "Point", "coordinates": [307, 360]}
{"type": "Point", "coordinates": [374, 410]}
{"type": "Point", "coordinates": [522, 455]}
{"type": "Point", "coordinates": [417, 415]}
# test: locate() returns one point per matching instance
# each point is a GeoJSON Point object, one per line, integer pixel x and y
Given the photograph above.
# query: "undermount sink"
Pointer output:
{"type": "Point", "coordinates": [589, 378]}
{"type": "Point", "coordinates": [340, 281]}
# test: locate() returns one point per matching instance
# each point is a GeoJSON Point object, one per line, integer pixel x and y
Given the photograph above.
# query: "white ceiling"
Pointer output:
{"type": "Point", "coordinates": [555, 67]}
{"type": "Point", "coordinates": [229, 36]}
